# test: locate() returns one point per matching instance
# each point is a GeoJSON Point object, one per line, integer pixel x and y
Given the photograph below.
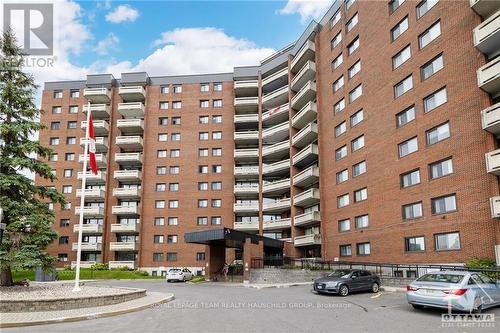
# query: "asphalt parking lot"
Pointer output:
{"type": "Point", "coordinates": [212, 307]}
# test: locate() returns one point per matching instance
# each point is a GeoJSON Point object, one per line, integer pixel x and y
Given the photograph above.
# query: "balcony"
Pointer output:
{"type": "Point", "coordinates": [239, 207]}
{"type": "Point", "coordinates": [127, 193]}
{"type": "Point", "coordinates": [488, 77]}
{"type": "Point", "coordinates": [91, 194]}
{"type": "Point", "coordinates": [304, 95]}
{"type": "Point", "coordinates": [90, 178]}
{"type": "Point", "coordinates": [129, 143]}
{"type": "Point", "coordinates": [306, 73]}
{"type": "Point", "coordinates": [493, 162]}
{"type": "Point", "coordinates": [306, 177]}
{"type": "Point", "coordinates": [308, 113]}
{"type": "Point", "coordinates": [490, 118]}
{"type": "Point", "coordinates": [120, 228]}
{"type": "Point", "coordinates": [132, 93]}
{"type": "Point", "coordinates": [275, 98]}
{"type": "Point", "coordinates": [307, 219]}
{"type": "Point", "coordinates": [485, 7]}
{"type": "Point", "coordinates": [277, 168]}
{"type": "Point", "coordinates": [129, 159]}
{"type": "Point", "coordinates": [90, 211]}
{"type": "Point", "coordinates": [495, 207]}
{"type": "Point", "coordinates": [276, 151]}
{"type": "Point", "coordinates": [122, 246]}
{"type": "Point", "coordinates": [246, 137]}
{"type": "Point", "coordinates": [83, 264]}
{"type": "Point", "coordinates": [99, 111]}
{"type": "Point", "coordinates": [306, 156]}
{"type": "Point", "coordinates": [246, 104]}
{"type": "Point", "coordinates": [88, 228]}
{"type": "Point", "coordinates": [306, 52]}
{"type": "Point", "coordinates": [246, 226]}
{"type": "Point", "coordinates": [120, 264]}
{"type": "Point", "coordinates": [277, 224]}
{"type": "Point", "coordinates": [281, 75]}
{"type": "Point", "coordinates": [246, 119]}
{"type": "Point", "coordinates": [276, 133]}
{"type": "Point", "coordinates": [276, 115]}
{"type": "Point", "coordinates": [93, 247]}
{"type": "Point", "coordinates": [97, 95]}
{"type": "Point", "coordinates": [125, 176]}
{"type": "Point", "coordinates": [99, 158]}
{"type": "Point", "coordinates": [130, 126]}
{"type": "Point", "coordinates": [487, 36]}
{"type": "Point", "coordinates": [131, 110]}
{"type": "Point", "coordinates": [277, 206]}
{"type": "Point", "coordinates": [246, 190]}
{"type": "Point", "coordinates": [306, 198]}
{"type": "Point", "coordinates": [277, 187]}
{"type": "Point", "coordinates": [246, 88]}
{"type": "Point", "coordinates": [305, 136]}
{"type": "Point", "coordinates": [101, 127]}
{"type": "Point", "coordinates": [125, 210]}
{"type": "Point", "coordinates": [307, 240]}
{"type": "Point", "coordinates": [246, 154]}
{"type": "Point", "coordinates": [246, 172]}
{"type": "Point", "coordinates": [101, 143]}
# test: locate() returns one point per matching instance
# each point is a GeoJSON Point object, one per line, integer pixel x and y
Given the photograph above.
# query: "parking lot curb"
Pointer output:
{"type": "Point", "coordinates": [277, 285]}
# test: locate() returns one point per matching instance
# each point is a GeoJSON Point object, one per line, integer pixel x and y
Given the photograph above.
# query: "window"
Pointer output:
{"type": "Point", "coordinates": [336, 40]}
{"type": "Point", "coordinates": [362, 221]}
{"type": "Point", "coordinates": [415, 244]}
{"type": "Point", "coordinates": [217, 168]}
{"type": "Point", "coordinates": [344, 225]}
{"type": "Point", "coordinates": [161, 170]}
{"type": "Point", "coordinates": [73, 109]}
{"type": "Point", "coordinates": [340, 129]}
{"type": "Point", "coordinates": [357, 118]}
{"type": "Point", "coordinates": [412, 211]}
{"type": "Point", "coordinates": [203, 136]}
{"type": "Point", "coordinates": [160, 204]}
{"type": "Point", "coordinates": [173, 187]}
{"type": "Point", "coordinates": [340, 153]}
{"type": "Point", "coordinates": [203, 169]}
{"type": "Point", "coordinates": [54, 141]}
{"type": "Point", "coordinates": [435, 99]}
{"type": "Point", "coordinates": [216, 119]}
{"type": "Point", "coordinates": [445, 204]}
{"type": "Point", "coordinates": [203, 120]}
{"type": "Point", "coordinates": [217, 86]}
{"type": "Point", "coordinates": [164, 90]}
{"type": "Point", "coordinates": [177, 88]}
{"type": "Point", "coordinates": [176, 105]}
{"type": "Point", "coordinates": [216, 220]}
{"type": "Point", "coordinates": [159, 221]}
{"type": "Point", "coordinates": [161, 187]}
{"type": "Point", "coordinates": [354, 69]}
{"type": "Point", "coordinates": [161, 153]}
{"type": "Point", "coordinates": [408, 147]}
{"type": "Point", "coordinates": [200, 256]}
{"type": "Point", "coordinates": [174, 153]}
{"type": "Point", "coordinates": [352, 22]}
{"type": "Point", "coordinates": [204, 104]}
{"type": "Point", "coordinates": [432, 67]}
{"type": "Point", "coordinates": [55, 125]}
{"type": "Point", "coordinates": [335, 18]}
{"type": "Point", "coordinates": [358, 143]}
{"type": "Point", "coordinates": [405, 116]}
{"type": "Point", "coordinates": [74, 93]}
{"type": "Point", "coordinates": [399, 29]}
{"type": "Point", "coordinates": [58, 94]}
{"type": "Point", "coordinates": [171, 256]}
{"type": "Point", "coordinates": [345, 250]}
{"type": "Point", "coordinates": [163, 105]}
{"type": "Point", "coordinates": [163, 121]}
{"type": "Point", "coordinates": [216, 135]}
{"type": "Point", "coordinates": [173, 221]}
{"type": "Point", "coordinates": [441, 168]}
{"type": "Point", "coordinates": [202, 220]}
{"type": "Point", "coordinates": [448, 241]}
{"type": "Point", "coordinates": [174, 170]}
{"type": "Point", "coordinates": [203, 152]}
{"type": "Point", "coordinates": [158, 239]}
{"type": "Point", "coordinates": [68, 173]}
{"type": "Point", "coordinates": [162, 137]}
{"type": "Point", "coordinates": [70, 140]}
{"type": "Point", "coordinates": [216, 186]}
{"type": "Point", "coordinates": [175, 136]}
{"type": "Point", "coordinates": [394, 4]}
{"type": "Point", "coordinates": [342, 176]}
{"type": "Point", "coordinates": [204, 87]}
{"type": "Point", "coordinates": [216, 151]}
{"type": "Point", "coordinates": [339, 106]}
{"type": "Point", "coordinates": [424, 6]}
{"type": "Point", "coordinates": [171, 239]}
{"type": "Point", "coordinates": [203, 186]}
{"type": "Point", "coordinates": [337, 61]}
{"type": "Point", "coordinates": [64, 223]}
{"type": "Point", "coordinates": [64, 240]}
{"type": "Point", "coordinates": [343, 200]}
{"type": "Point", "coordinates": [339, 83]}
{"type": "Point", "coordinates": [66, 206]}
{"type": "Point", "coordinates": [438, 133]}
{"type": "Point", "coordinates": [217, 103]}
{"type": "Point", "coordinates": [72, 124]}
{"type": "Point", "coordinates": [403, 86]}
{"type": "Point", "coordinates": [358, 169]}
{"type": "Point", "coordinates": [66, 189]}
{"type": "Point", "coordinates": [157, 256]}
{"type": "Point", "coordinates": [216, 203]}
{"type": "Point", "coordinates": [353, 46]}
{"type": "Point", "coordinates": [53, 157]}
{"type": "Point", "coordinates": [173, 204]}
{"type": "Point", "coordinates": [56, 110]}
{"type": "Point", "coordinates": [355, 93]}
{"type": "Point", "coordinates": [363, 249]}
{"type": "Point", "coordinates": [202, 203]}
{"type": "Point", "coordinates": [62, 257]}
{"type": "Point", "coordinates": [401, 57]}
{"type": "Point", "coordinates": [348, 3]}
{"type": "Point", "coordinates": [429, 35]}
{"type": "Point", "coordinates": [69, 157]}
{"type": "Point", "coordinates": [361, 194]}
{"type": "Point", "coordinates": [410, 178]}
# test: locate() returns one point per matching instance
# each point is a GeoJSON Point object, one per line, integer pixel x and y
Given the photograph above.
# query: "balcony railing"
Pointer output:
{"type": "Point", "coordinates": [246, 189]}
{"type": "Point", "coordinates": [307, 198]}
{"type": "Point", "coordinates": [276, 187]}
{"type": "Point", "coordinates": [276, 168]}
{"type": "Point", "coordinates": [276, 133]}
{"type": "Point", "coordinates": [246, 226]}
{"type": "Point", "coordinates": [119, 264]}
{"type": "Point", "coordinates": [485, 7]}
{"type": "Point", "coordinates": [282, 73]}
{"type": "Point", "coordinates": [488, 77]}
{"type": "Point", "coordinates": [125, 210]}
{"type": "Point", "coordinates": [129, 126]}
{"type": "Point", "coordinates": [279, 205]}
{"type": "Point", "coordinates": [125, 228]}
{"type": "Point", "coordinates": [101, 127]}
{"type": "Point", "coordinates": [490, 118]}
{"type": "Point", "coordinates": [246, 154]}
{"type": "Point", "coordinates": [246, 118]}
{"type": "Point", "coordinates": [246, 136]}
{"type": "Point", "coordinates": [306, 94]}
{"type": "Point", "coordinates": [245, 207]}
{"type": "Point", "coordinates": [132, 142]}
{"type": "Point", "coordinates": [307, 240]}
{"type": "Point", "coordinates": [275, 115]}
{"type": "Point", "coordinates": [306, 156]}
{"type": "Point", "coordinates": [306, 52]}
{"type": "Point", "coordinates": [97, 95]}
{"type": "Point", "coordinates": [306, 73]}
{"type": "Point", "coordinates": [131, 109]}
{"type": "Point", "coordinates": [307, 114]}
{"type": "Point", "coordinates": [277, 224]}
{"type": "Point", "coordinates": [487, 36]}
{"type": "Point", "coordinates": [250, 171]}
{"type": "Point", "coordinates": [100, 159]}
{"type": "Point", "coordinates": [127, 192]}
{"type": "Point", "coordinates": [246, 104]}
{"type": "Point", "coordinates": [90, 211]}
{"type": "Point", "coordinates": [275, 98]}
{"type": "Point", "coordinates": [277, 150]}
{"type": "Point", "coordinates": [99, 111]}
{"type": "Point", "coordinates": [305, 136]}
{"type": "Point", "coordinates": [91, 178]}
{"type": "Point", "coordinates": [306, 177]}
{"type": "Point", "coordinates": [307, 219]}
{"type": "Point", "coordinates": [101, 143]}
{"type": "Point", "coordinates": [83, 264]}
{"type": "Point", "coordinates": [493, 162]}
{"type": "Point", "coordinates": [132, 93]}
{"type": "Point", "coordinates": [246, 86]}
{"type": "Point", "coordinates": [122, 246]}
{"type": "Point", "coordinates": [87, 246]}
{"type": "Point", "coordinates": [128, 158]}
{"type": "Point", "coordinates": [127, 175]}
{"type": "Point", "coordinates": [495, 207]}
{"type": "Point", "coordinates": [91, 194]}
{"type": "Point", "coordinates": [88, 228]}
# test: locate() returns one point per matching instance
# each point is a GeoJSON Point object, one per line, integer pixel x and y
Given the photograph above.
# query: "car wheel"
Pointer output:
{"type": "Point", "coordinates": [417, 306]}
{"type": "Point", "coordinates": [375, 287]}
{"type": "Point", "coordinates": [343, 290]}
{"type": "Point", "coordinates": [168, 280]}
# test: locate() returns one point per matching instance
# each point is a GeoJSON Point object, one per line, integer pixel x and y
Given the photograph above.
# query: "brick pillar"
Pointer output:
{"type": "Point", "coordinates": [250, 251]}
{"type": "Point", "coordinates": [216, 256]}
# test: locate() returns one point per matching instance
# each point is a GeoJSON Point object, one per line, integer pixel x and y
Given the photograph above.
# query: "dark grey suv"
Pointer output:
{"type": "Point", "coordinates": [344, 281]}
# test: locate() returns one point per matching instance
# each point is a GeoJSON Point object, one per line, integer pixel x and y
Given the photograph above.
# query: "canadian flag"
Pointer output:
{"type": "Point", "coordinates": [93, 162]}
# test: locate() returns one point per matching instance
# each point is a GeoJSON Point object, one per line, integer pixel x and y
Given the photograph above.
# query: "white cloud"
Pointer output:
{"type": "Point", "coordinates": [307, 9]}
{"type": "Point", "coordinates": [122, 13]}
{"type": "Point", "coordinates": [105, 45]}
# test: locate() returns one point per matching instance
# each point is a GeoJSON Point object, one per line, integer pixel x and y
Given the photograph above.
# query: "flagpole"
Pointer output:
{"type": "Point", "coordinates": [82, 202]}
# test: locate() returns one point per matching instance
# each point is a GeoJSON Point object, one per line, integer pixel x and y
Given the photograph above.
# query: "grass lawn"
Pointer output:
{"type": "Point", "coordinates": [87, 274]}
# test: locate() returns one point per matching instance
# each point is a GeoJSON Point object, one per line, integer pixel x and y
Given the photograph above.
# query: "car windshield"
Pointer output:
{"type": "Point", "coordinates": [340, 274]}
{"type": "Point", "coordinates": [174, 270]}
{"type": "Point", "coordinates": [447, 278]}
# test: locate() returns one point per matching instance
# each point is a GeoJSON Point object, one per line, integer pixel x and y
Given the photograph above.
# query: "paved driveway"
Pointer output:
{"type": "Point", "coordinates": [213, 307]}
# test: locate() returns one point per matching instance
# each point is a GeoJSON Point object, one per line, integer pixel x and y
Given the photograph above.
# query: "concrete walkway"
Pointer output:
{"type": "Point", "coordinates": [286, 285]}
{"type": "Point", "coordinates": [17, 319]}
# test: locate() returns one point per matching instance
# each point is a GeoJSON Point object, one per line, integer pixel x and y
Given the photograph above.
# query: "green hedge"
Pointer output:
{"type": "Point", "coordinates": [89, 274]}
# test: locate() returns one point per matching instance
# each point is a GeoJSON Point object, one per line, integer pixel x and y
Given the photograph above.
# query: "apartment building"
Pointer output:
{"type": "Point", "coordinates": [372, 138]}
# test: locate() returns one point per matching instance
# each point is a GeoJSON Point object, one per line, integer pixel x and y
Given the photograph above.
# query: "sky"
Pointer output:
{"type": "Point", "coordinates": [166, 37]}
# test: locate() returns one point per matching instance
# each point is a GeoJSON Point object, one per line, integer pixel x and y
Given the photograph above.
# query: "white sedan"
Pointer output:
{"type": "Point", "coordinates": [178, 274]}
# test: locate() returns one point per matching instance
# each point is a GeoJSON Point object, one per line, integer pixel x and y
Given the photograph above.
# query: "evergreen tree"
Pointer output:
{"type": "Point", "coordinates": [25, 211]}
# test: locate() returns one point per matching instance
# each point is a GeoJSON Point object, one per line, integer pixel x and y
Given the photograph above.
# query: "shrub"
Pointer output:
{"type": "Point", "coordinates": [481, 263]}
{"type": "Point", "coordinates": [99, 267]}
{"type": "Point", "coordinates": [142, 273]}
{"type": "Point", "coordinates": [67, 268]}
